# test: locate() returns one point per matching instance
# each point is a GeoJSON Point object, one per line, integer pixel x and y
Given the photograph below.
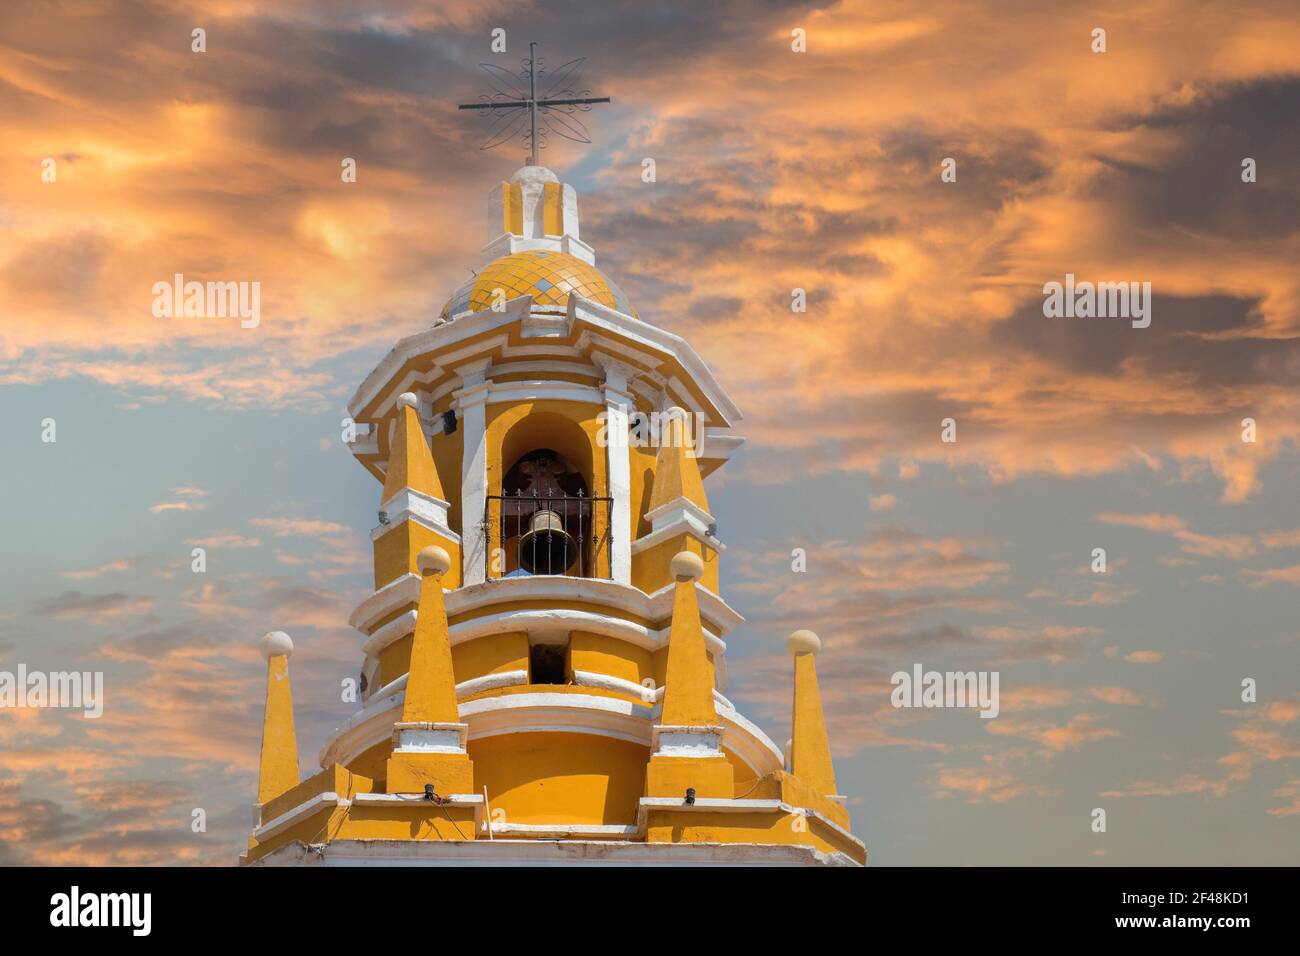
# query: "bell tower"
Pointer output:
{"type": "Point", "coordinates": [544, 651]}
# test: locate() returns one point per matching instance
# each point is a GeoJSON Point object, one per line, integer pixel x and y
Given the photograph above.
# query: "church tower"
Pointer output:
{"type": "Point", "coordinates": [544, 669]}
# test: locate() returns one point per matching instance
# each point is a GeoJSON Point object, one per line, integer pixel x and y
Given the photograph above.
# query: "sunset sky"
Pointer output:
{"type": "Point", "coordinates": [775, 170]}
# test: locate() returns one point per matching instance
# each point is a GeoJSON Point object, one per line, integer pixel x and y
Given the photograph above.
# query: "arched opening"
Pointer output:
{"type": "Point", "coordinates": [545, 513]}
{"type": "Point", "coordinates": [546, 516]}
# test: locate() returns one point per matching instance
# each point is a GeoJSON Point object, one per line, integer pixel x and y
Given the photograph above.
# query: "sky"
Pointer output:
{"type": "Point", "coordinates": [775, 170]}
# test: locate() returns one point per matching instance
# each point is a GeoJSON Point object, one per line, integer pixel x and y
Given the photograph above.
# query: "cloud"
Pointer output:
{"type": "Point", "coordinates": [300, 527]}
{"type": "Point", "coordinates": [1234, 547]}
{"type": "Point", "coordinates": [1259, 741]}
{"type": "Point", "coordinates": [120, 564]}
{"type": "Point", "coordinates": [1054, 738]}
{"type": "Point", "coordinates": [176, 506]}
{"type": "Point", "coordinates": [1116, 695]}
{"type": "Point", "coordinates": [984, 786]}
{"type": "Point", "coordinates": [1258, 578]}
{"type": "Point", "coordinates": [97, 608]}
{"type": "Point", "coordinates": [224, 539]}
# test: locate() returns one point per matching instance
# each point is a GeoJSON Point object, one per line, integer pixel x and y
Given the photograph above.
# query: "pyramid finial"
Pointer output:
{"type": "Point", "coordinates": [677, 474]}
{"type": "Point", "coordinates": [430, 684]}
{"type": "Point", "coordinates": [687, 760]}
{"type": "Point", "coordinates": [410, 462]}
{"type": "Point", "coordinates": [688, 680]}
{"type": "Point", "coordinates": [429, 741]}
{"type": "Point", "coordinates": [279, 766]}
{"type": "Point", "coordinates": [810, 758]}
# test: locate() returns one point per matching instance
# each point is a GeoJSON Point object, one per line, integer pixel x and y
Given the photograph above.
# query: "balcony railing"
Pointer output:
{"type": "Point", "coordinates": [532, 534]}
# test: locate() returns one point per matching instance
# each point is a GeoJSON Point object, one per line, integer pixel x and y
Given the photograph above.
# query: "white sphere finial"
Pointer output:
{"type": "Point", "coordinates": [804, 642]}
{"type": "Point", "coordinates": [433, 560]}
{"type": "Point", "coordinates": [687, 566]}
{"type": "Point", "coordinates": [276, 644]}
{"type": "Point", "coordinates": [408, 400]}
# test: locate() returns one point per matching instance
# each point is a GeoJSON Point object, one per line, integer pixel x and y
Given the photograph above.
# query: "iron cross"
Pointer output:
{"type": "Point", "coordinates": [557, 106]}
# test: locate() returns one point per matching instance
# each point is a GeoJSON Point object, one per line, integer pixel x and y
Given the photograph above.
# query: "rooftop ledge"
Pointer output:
{"type": "Point", "coordinates": [631, 602]}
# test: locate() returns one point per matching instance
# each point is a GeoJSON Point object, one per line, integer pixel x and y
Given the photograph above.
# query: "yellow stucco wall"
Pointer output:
{"type": "Point", "coordinates": [606, 655]}
{"type": "Point", "coordinates": [560, 777]}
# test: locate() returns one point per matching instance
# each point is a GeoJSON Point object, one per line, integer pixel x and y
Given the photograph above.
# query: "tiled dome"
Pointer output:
{"type": "Point", "coordinates": [548, 277]}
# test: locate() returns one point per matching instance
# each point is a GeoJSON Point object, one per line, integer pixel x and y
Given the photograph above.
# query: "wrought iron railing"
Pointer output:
{"type": "Point", "coordinates": [551, 534]}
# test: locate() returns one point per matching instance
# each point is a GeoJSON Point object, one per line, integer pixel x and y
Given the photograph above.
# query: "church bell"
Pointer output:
{"type": "Point", "coordinates": [546, 548]}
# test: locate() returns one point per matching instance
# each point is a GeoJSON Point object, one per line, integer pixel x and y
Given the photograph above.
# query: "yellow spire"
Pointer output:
{"type": "Point", "coordinates": [810, 758]}
{"type": "Point", "coordinates": [676, 473]}
{"type": "Point", "coordinates": [279, 771]}
{"type": "Point", "coordinates": [688, 680]}
{"type": "Point", "coordinates": [410, 462]}
{"type": "Point", "coordinates": [687, 760]}
{"type": "Point", "coordinates": [430, 683]}
{"type": "Point", "coordinates": [429, 741]}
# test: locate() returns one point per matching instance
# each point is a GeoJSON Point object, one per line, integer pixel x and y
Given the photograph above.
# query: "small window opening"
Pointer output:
{"type": "Point", "coordinates": [546, 664]}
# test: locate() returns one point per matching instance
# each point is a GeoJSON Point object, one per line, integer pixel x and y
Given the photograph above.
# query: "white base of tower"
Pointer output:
{"type": "Point", "coordinates": [546, 853]}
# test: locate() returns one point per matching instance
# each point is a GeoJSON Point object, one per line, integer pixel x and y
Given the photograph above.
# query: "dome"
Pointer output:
{"type": "Point", "coordinates": [548, 277]}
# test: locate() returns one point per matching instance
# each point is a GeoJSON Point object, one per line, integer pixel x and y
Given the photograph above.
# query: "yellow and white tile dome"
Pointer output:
{"type": "Point", "coordinates": [549, 277]}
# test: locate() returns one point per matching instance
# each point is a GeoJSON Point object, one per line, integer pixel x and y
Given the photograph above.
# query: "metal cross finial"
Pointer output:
{"type": "Point", "coordinates": [557, 107]}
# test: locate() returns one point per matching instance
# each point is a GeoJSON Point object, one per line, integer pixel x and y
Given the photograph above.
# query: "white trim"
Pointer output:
{"type": "Point", "coordinates": [464, 689]}
{"type": "Point", "coordinates": [560, 831]}
{"type": "Point", "coordinates": [394, 630]}
{"type": "Point", "coordinates": [406, 799]}
{"type": "Point", "coordinates": [618, 456]}
{"type": "Point", "coordinates": [669, 740]}
{"type": "Point", "coordinates": [678, 510]}
{"type": "Point", "coordinates": [546, 625]}
{"type": "Point", "coordinates": [558, 713]}
{"type": "Point", "coordinates": [543, 712]}
{"type": "Point", "coordinates": [540, 390]}
{"type": "Point", "coordinates": [510, 365]}
{"type": "Point", "coordinates": [655, 345]}
{"type": "Point", "coordinates": [477, 685]}
{"type": "Point", "coordinates": [289, 817]}
{"type": "Point", "coordinates": [656, 606]}
{"type": "Point", "coordinates": [411, 505]}
{"type": "Point", "coordinates": [542, 852]}
{"type": "Point", "coordinates": [724, 805]}
{"type": "Point", "coordinates": [396, 593]}
{"type": "Point", "coordinates": [471, 404]}
{"type": "Point", "coordinates": [647, 695]}
{"type": "Point", "coordinates": [429, 737]}
{"type": "Point", "coordinates": [683, 526]}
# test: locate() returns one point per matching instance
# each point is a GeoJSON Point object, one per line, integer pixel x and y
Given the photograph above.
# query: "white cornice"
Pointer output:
{"type": "Point", "coordinates": [503, 851]}
{"type": "Point", "coordinates": [547, 712]}
{"type": "Point", "coordinates": [649, 347]}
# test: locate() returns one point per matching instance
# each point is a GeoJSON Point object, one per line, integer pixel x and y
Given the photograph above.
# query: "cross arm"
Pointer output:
{"type": "Point", "coordinates": [574, 102]}
{"type": "Point", "coordinates": [499, 104]}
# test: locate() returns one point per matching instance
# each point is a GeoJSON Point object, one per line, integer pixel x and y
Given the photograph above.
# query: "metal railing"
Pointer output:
{"type": "Point", "coordinates": [547, 534]}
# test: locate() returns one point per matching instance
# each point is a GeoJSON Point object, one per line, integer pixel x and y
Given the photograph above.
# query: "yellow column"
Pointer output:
{"type": "Point", "coordinates": [810, 758]}
{"type": "Point", "coordinates": [687, 742]}
{"type": "Point", "coordinates": [429, 741]}
{"type": "Point", "coordinates": [279, 770]}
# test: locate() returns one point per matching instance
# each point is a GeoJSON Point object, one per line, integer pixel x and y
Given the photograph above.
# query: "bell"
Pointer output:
{"type": "Point", "coordinates": [546, 548]}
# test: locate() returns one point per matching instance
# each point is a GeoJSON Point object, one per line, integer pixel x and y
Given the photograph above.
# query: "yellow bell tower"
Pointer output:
{"type": "Point", "coordinates": [544, 669]}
